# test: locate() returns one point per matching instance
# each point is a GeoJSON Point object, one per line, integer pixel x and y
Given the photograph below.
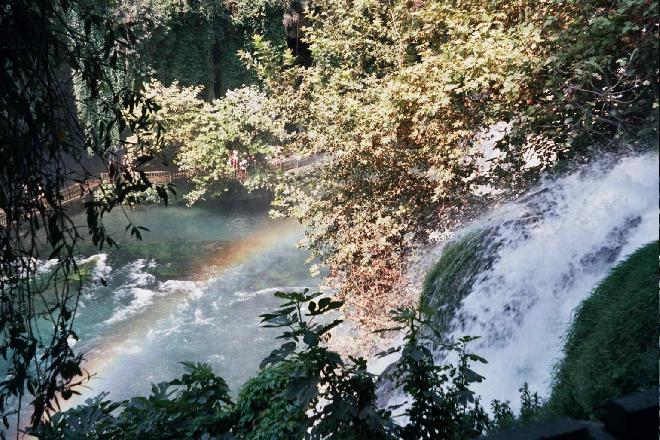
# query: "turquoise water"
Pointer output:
{"type": "Point", "coordinates": [192, 290]}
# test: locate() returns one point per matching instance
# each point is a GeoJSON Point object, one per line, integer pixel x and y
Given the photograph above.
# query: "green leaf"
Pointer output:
{"type": "Point", "coordinates": [310, 338]}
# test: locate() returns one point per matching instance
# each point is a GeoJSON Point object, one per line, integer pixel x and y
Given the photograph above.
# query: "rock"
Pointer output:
{"type": "Point", "coordinates": [560, 429]}
{"type": "Point", "coordinates": [633, 417]}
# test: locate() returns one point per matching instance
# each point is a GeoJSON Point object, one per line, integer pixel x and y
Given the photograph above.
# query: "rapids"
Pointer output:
{"type": "Point", "coordinates": [193, 290]}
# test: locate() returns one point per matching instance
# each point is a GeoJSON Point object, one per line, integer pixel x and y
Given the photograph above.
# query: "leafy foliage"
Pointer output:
{"type": "Point", "coordinates": [72, 106]}
{"type": "Point", "coordinates": [402, 98]}
{"type": "Point", "coordinates": [399, 98]}
{"type": "Point", "coordinates": [183, 408]}
{"type": "Point", "coordinates": [47, 46]}
{"type": "Point", "coordinates": [195, 43]}
{"type": "Point", "coordinates": [531, 410]}
{"type": "Point", "coordinates": [264, 412]}
{"type": "Point", "coordinates": [340, 396]}
{"type": "Point", "coordinates": [600, 85]}
{"type": "Point", "coordinates": [443, 406]}
{"type": "Point", "coordinates": [201, 135]}
{"type": "Point", "coordinates": [395, 96]}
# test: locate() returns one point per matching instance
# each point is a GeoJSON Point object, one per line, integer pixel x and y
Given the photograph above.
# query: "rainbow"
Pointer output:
{"type": "Point", "coordinates": [103, 358]}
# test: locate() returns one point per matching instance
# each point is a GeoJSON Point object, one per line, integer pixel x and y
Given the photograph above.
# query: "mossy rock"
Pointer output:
{"type": "Point", "coordinates": [85, 271]}
{"type": "Point", "coordinates": [612, 346]}
{"type": "Point", "coordinates": [452, 277]}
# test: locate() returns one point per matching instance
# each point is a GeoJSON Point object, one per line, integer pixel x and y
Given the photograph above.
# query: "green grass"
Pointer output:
{"type": "Point", "coordinates": [612, 347]}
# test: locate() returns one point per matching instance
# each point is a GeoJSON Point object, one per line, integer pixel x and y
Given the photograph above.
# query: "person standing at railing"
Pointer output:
{"type": "Point", "coordinates": [230, 164]}
{"type": "Point", "coordinates": [242, 169]}
{"type": "Point", "coordinates": [235, 162]}
{"type": "Point", "coordinates": [252, 163]}
{"type": "Point", "coordinates": [112, 168]}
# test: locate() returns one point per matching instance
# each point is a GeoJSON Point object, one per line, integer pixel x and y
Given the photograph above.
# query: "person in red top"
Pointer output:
{"type": "Point", "coordinates": [234, 161]}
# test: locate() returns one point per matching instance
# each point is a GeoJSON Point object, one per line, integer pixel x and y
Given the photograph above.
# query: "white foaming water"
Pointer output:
{"type": "Point", "coordinates": [193, 289]}
{"type": "Point", "coordinates": [101, 267]}
{"type": "Point", "coordinates": [137, 275]}
{"type": "Point", "coordinates": [44, 267]}
{"type": "Point", "coordinates": [141, 298]}
{"type": "Point", "coordinates": [142, 288]}
{"type": "Point", "coordinates": [136, 287]}
{"type": "Point", "coordinates": [551, 248]}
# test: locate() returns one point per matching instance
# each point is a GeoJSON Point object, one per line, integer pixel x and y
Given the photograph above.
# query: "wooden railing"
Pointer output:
{"type": "Point", "coordinates": [79, 190]}
{"type": "Point", "coordinates": [68, 194]}
{"type": "Point", "coordinates": [155, 176]}
{"type": "Point", "coordinates": [291, 163]}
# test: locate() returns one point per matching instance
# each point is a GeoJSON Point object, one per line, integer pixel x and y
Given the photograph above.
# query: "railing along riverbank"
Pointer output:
{"type": "Point", "coordinates": [79, 190]}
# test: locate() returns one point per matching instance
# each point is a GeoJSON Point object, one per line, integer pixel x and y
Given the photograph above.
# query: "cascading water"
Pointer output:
{"type": "Point", "coordinates": [539, 257]}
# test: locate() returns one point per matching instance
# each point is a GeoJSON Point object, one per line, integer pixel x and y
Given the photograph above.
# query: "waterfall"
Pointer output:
{"type": "Point", "coordinates": [541, 256]}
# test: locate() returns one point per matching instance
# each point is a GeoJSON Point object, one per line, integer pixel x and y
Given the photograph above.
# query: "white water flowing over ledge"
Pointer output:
{"type": "Point", "coordinates": [550, 248]}
{"type": "Point", "coordinates": [555, 247]}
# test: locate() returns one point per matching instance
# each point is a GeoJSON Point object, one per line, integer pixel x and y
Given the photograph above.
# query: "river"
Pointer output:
{"type": "Point", "coordinates": [191, 290]}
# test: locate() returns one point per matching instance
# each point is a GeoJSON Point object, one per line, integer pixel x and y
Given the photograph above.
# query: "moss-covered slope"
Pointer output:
{"type": "Point", "coordinates": [452, 277]}
{"type": "Point", "coordinates": [612, 347]}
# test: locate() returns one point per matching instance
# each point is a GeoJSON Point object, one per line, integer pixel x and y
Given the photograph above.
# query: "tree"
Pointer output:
{"type": "Point", "coordinates": [47, 46]}
{"type": "Point", "coordinates": [395, 97]}
{"type": "Point", "coordinates": [402, 97]}
{"type": "Point", "coordinates": [201, 136]}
